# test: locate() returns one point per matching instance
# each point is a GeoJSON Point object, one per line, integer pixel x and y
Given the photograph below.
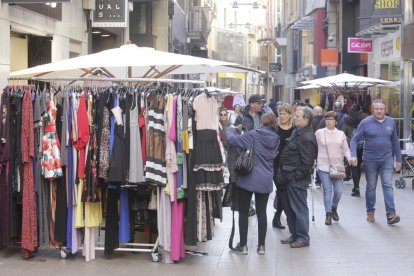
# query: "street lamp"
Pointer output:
{"type": "Point", "coordinates": [246, 25]}
{"type": "Point", "coordinates": [254, 5]}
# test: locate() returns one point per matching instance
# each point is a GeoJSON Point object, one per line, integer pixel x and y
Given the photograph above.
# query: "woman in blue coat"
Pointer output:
{"type": "Point", "coordinates": [259, 181]}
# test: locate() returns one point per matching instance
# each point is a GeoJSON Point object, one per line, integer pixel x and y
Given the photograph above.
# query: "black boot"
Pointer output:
{"type": "Point", "coordinates": [355, 192]}
{"type": "Point", "coordinates": [276, 221]}
{"type": "Point", "coordinates": [328, 220]}
{"type": "Point", "coordinates": [335, 216]}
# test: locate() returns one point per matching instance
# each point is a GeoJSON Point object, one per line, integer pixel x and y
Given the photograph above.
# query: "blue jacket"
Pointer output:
{"type": "Point", "coordinates": [266, 142]}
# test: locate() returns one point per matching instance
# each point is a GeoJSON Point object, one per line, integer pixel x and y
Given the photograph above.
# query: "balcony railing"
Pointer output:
{"type": "Point", "coordinates": [199, 25]}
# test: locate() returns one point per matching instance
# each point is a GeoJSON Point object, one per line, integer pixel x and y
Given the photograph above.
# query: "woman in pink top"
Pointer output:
{"type": "Point", "coordinates": [331, 140]}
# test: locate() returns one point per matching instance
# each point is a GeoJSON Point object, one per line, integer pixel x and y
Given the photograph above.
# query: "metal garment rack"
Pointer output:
{"type": "Point", "coordinates": [145, 247]}
{"type": "Point", "coordinates": [107, 79]}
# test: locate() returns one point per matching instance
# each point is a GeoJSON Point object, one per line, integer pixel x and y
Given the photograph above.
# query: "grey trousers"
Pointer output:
{"type": "Point", "coordinates": [297, 211]}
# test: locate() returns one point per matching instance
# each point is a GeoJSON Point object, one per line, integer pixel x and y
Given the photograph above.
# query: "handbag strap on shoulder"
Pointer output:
{"type": "Point", "coordinates": [326, 145]}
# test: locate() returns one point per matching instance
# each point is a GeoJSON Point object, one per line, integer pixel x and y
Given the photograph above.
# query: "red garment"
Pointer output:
{"type": "Point", "coordinates": [228, 102]}
{"type": "Point", "coordinates": [29, 216]}
{"type": "Point", "coordinates": [83, 134]}
{"type": "Point", "coordinates": [142, 125]}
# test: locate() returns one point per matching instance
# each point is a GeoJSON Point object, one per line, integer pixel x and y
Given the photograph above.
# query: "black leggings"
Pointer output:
{"type": "Point", "coordinates": [244, 198]}
{"type": "Point", "coordinates": [356, 170]}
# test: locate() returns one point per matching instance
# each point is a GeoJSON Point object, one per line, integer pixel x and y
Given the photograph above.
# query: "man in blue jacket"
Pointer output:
{"type": "Point", "coordinates": [297, 159]}
{"type": "Point", "coordinates": [381, 145]}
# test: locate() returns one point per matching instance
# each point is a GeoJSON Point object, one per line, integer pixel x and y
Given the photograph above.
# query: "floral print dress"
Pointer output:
{"type": "Point", "coordinates": [51, 165]}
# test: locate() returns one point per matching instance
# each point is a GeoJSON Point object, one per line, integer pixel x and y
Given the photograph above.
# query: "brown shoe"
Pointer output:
{"type": "Point", "coordinates": [370, 218]}
{"type": "Point", "coordinates": [288, 240]}
{"type": "Point", "coordinates": [298, 244]}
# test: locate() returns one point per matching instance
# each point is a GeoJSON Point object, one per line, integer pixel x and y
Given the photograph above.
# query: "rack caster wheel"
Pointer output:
{"type": "Point", "coordinates": [64, 254]}
{"type": "Point", "coordinates": [156, 257]}
{"type": "Point", "coordinates": [398, 184]}
{"type": "Point", "coordinates": [403, 183]}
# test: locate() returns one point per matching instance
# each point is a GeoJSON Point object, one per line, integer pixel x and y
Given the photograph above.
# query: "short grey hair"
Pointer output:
{"type": "Point", "coordinates": [317, 110]}
{"type": "Point", "coordinates": [307, 114]}
{"type": "Point", "coordinates": [338, 105]}
{"type": "Point", "coordinates": [378, 101]}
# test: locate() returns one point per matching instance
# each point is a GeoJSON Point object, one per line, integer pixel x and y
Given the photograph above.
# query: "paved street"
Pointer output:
{"type": "Point", "coordinates": [350, 247]}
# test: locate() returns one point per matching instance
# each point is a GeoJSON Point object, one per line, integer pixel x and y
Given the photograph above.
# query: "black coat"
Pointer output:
{"type": "Point", "coordinates": [298, 157]}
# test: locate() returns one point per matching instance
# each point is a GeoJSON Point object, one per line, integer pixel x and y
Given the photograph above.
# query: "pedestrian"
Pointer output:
{"type": "Point", "coordinates": [259, 181]}
{"type": "Point", "coordinates": [249, 119]}
{"type": "Point", "coordinates": [332, 148]}
{"type": "Point", "coordinates": [318, 121]}
{"type": "Point", "coordinates": [237, 109]}
{"type": "Point", "coordinates": [223, 125]}
{"type": "Point", "coordinates": [284, 130]}
{"type": "Point", "coordinates": [381, 145]}
{"type": "Point", "coordinates": [296, 161]}
{"type": "Point", "coordinates": [350, 126]}
{"type": "Point", "coordinates": [341, 115]}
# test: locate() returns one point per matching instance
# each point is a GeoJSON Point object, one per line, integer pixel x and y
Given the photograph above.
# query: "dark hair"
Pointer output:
{"type": "Point", "coordinates": [269, 119]}
{"type": "Point", "coordinates": [222, 109]}
{"type": "Point", "coordinates": [331, 114]}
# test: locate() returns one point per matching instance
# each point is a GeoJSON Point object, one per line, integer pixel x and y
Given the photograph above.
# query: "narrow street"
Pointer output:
{"type": "Point", "coordinates": [351, 246]}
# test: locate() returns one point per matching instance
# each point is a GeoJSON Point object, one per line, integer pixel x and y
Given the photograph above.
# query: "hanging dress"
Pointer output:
{"type": "Point", "coordinates": [4, 164]}
{"type": "Point", "coordinates": [155, 167]}
{"type": "Point", "coordinates": [29, 216]}
{"type": "Point", "coordinates": [51, 166]}
{"type": "Point", "coordinates": [136, 166]}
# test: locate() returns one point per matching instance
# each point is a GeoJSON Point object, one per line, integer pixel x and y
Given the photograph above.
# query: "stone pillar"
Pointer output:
{"type": "Point", "coordinates": [5, 45]}
{"type": "Point", "coordinates": [406, 74]}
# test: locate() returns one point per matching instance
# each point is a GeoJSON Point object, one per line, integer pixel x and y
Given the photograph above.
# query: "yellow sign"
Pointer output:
{"type": "Point", "coordinates": [240, 76]}
{"type": "Point", "coordinates": [386, 4]}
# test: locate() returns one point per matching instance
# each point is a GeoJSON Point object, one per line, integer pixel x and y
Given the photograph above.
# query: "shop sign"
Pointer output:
{"type": "Point", "coordinates": [110, 13]}
{"type": "Point", "coordinates": [388, 48]}
{"type": "Point", "coordinates": [359, 45]}
{"type": "Point", "coordinates": [387, 9]}
{"type": "Point", "coordinates": [329, 57]}
{"type": "Point", "coordinates": [275, 67]}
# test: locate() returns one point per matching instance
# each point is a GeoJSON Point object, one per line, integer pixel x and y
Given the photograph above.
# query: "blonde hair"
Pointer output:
{"type": "Point", "coordinates": [269, 119]}
{"type": "Point", "coordinates": [288, 109]}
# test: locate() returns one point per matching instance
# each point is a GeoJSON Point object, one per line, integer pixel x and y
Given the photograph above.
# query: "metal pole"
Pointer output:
{"type": "Point", "coordinates": [268, 70]}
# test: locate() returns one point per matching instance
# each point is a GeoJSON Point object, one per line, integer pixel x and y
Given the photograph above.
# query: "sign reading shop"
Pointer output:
{"type": "Point", "coordinates": [110, 13]}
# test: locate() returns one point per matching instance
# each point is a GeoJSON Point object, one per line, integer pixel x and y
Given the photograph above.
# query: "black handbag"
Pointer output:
{"type": "Point", "coordinates": [244, 163]}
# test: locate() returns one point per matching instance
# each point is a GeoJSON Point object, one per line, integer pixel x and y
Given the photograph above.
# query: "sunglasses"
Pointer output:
{"type": "Point", "coordinates": [223, 114]}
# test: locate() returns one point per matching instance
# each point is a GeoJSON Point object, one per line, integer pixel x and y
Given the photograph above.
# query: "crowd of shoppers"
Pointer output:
{"type": "Point", "coordinates": [290, 141]}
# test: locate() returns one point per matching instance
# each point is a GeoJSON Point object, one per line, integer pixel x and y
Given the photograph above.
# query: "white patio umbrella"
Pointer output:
{"type": "Point", "coordinates": [343, 83]}
{"type": "Point", "coordinates": [133, 62]}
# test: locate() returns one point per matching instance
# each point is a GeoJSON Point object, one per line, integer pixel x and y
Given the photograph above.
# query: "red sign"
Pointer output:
{"type": "Point", "coordinates": [329, 57]}
{"type": "Point", "coordinates": [359, 45]}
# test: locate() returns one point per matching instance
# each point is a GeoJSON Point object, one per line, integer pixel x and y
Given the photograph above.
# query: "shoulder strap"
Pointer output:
{"type": "Point", "coordinates": [232, 234]}
{"type": "Point", "coordinates": [326, 144]}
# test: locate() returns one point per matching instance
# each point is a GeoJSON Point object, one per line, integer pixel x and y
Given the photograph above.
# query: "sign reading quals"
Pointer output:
{"type": "Point", "coordinates": [359, 45]}
{"type": "Point", "coordinates": [110, 13]}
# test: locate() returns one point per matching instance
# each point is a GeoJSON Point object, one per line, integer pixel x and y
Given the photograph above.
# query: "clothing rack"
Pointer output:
{"type": "Point", "coordinates": [129, 247]}
{"type": "Point", "coordinates": [107, 79]}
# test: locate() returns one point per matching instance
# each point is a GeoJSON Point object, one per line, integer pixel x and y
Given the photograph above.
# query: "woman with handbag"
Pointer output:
{"type": "Point", "coordinates": [259, 150]}
{"type": "Point", "coordinates": [332, 147]}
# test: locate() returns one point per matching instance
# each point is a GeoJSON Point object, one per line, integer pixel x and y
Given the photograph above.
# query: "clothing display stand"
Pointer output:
{"type": "Point", "coordinates": [126, 247]}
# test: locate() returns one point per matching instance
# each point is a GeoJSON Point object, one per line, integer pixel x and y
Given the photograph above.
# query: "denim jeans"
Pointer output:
{"type": "Point", "coordinates": [329, 185]}
{"type": "Point", "coordinates": [384, 169]}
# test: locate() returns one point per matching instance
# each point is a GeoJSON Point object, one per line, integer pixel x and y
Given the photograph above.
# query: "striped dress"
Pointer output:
{"type": "Point", "coordinates": [155, 166]}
